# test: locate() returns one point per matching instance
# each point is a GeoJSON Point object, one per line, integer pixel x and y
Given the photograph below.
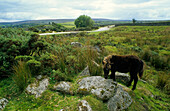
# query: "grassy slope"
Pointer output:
{"type": "Point", "coordinates": [68, 24]}
{"type": "Point", "coordinates": [120, 40]}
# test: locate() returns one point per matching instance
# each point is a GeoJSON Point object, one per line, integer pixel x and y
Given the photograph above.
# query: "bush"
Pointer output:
{"type": "Point", "coordinates": [57, 75]}
{"type": "Point", "coordinates": [35, 66]}
{"type": "Point", "coordinates": [22, 74]}
{"type": "Point", "coordinates": [23, 58]}
{"type": "Point", "coordinates": [12, 44]}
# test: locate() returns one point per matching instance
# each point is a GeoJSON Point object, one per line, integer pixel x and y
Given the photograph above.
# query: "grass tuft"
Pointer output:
{"type": "Point", "coordinates": [22, 74]}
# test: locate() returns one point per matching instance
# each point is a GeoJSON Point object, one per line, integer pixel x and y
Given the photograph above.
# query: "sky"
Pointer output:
{"type": "Point", "coordinates": [19, 10]}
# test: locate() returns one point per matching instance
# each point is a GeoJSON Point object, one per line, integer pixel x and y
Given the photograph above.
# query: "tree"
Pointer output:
{"type": "Point", "coordinates": [83, 21]}
{"type": "Point", "coordinates": [133, 20]}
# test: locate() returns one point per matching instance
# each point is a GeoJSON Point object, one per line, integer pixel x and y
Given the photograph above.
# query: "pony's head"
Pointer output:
{"type": "Point", "coordinates": [106, 65]}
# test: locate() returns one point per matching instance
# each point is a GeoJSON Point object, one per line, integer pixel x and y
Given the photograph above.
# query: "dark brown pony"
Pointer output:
{"type": "Point", "coordinates": [124, 64]}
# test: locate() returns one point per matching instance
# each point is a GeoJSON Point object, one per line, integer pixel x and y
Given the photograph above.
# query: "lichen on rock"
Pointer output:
{"type": "Point", "coordinates": [97, 85]}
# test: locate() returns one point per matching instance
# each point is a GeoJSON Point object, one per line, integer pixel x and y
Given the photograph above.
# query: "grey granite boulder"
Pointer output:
{"type": "Point", "coordinates": [38, 87]}
{"type": "Point", "coordinates": [83, 105]}
{"type": "Point", "coordinates": [3, 103]}
{"type": "Point", "coordinates": [64, 87]}
{"type": "Point", "coordinates": [107, 90]}
{"type": "Point", "coordinates": [97, 85]}
{"type": "Point", "coordinates": [120, 101]}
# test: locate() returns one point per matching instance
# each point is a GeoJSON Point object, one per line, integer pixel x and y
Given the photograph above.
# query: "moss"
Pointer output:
{"type": "Point", "coordinates": [96, 105]}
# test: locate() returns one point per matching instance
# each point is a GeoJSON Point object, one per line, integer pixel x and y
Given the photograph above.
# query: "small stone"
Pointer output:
{"type": "Point", "coordinates": [76, 44]}
{"type": "Point", "coordinates": [143, 81]}
{"type": "Point", "coordinates": [39, 77]}
{"type": "Point", "coordinates": [83, 105]}
{"type": "Point", "coordinates": [97, 48]}
{"type": "Point", "coordinates": [3, 103]}
{"type": "Point", "coordinates": [85, 72]}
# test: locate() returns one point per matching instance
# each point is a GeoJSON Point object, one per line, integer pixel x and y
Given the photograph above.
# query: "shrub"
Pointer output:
{"type": "Point", "coordinates": [35, 66]}
{"type": "Point", "coordinates": [23, 58]}
{"type": "Point", "coordinates": [57, 75]}
{"type": "Point", "coordinates": [12, 44]}
{"type": "Point", "coordinates": [47, 60]}
{"type": "Point", "coordinates": [22, 74]}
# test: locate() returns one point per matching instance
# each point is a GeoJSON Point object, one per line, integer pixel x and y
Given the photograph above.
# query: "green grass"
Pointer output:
{"type": "Point", "coordinates": [147, 97]}
{"type": "Point", "coordinates": [68, 24]}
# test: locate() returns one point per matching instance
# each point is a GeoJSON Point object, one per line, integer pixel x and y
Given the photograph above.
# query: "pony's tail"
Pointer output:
{"type": "Point", "coordinates": [141, 69]}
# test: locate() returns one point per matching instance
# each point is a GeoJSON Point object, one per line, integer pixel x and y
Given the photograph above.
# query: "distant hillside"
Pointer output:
{"type": "Point", "coordinates": [46, 21]}
{"type": "Point", "coordinates": [40, 22]}
{"type": "Point", "coordinates": [98, 21]}
{"type": "Point", "coordinates": [28, 23]}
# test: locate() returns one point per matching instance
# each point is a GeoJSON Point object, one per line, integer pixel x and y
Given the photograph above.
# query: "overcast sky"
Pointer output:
{"type": "Point", "coordinates": [14, 10]}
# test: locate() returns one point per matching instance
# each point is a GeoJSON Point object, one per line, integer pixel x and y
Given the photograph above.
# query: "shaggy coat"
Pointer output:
{"type": "Point", "coordinates": [124, 64]}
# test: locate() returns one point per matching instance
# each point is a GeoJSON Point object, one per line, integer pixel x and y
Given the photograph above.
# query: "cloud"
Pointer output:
{"type": "Point", "coordinates": [56, 9]}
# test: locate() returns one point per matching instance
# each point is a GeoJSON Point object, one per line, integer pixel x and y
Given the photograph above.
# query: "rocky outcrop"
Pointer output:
{"type": "Point", "coordinates": [83, 105]}
{"type": "Point", "coordinates": [38, 87]}
{"type": "Point", "coordinates": [97, 85]}
{"type": "Point", "coordinates": [107, 90]}
{"type": "Point", "coordinates": [3, 103]}
{"type": "Point", "coordinates": [122, 77]}
{"type": "Point", "coordinates": [120, 101]}
{"type": "Point", "coordinates": [64, 87]}
{"type": "Point", "coordinates": [85, 72]}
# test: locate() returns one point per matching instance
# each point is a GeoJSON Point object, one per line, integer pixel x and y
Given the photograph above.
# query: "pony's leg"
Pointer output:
{"type": "Point", "coordinates": [135, 81]}
{"type": "Point", "coordinates": [112, 76]}
{"type": "Point", "coordinates": [131, 79]}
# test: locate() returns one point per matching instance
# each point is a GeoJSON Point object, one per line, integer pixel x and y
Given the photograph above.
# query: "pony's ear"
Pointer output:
{"type": "Point", "coordinates": [103, 62]}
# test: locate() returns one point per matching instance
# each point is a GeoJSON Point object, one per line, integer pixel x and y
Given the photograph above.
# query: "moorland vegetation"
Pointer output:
{"type": "Point", "coordinates": [24, 55]}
